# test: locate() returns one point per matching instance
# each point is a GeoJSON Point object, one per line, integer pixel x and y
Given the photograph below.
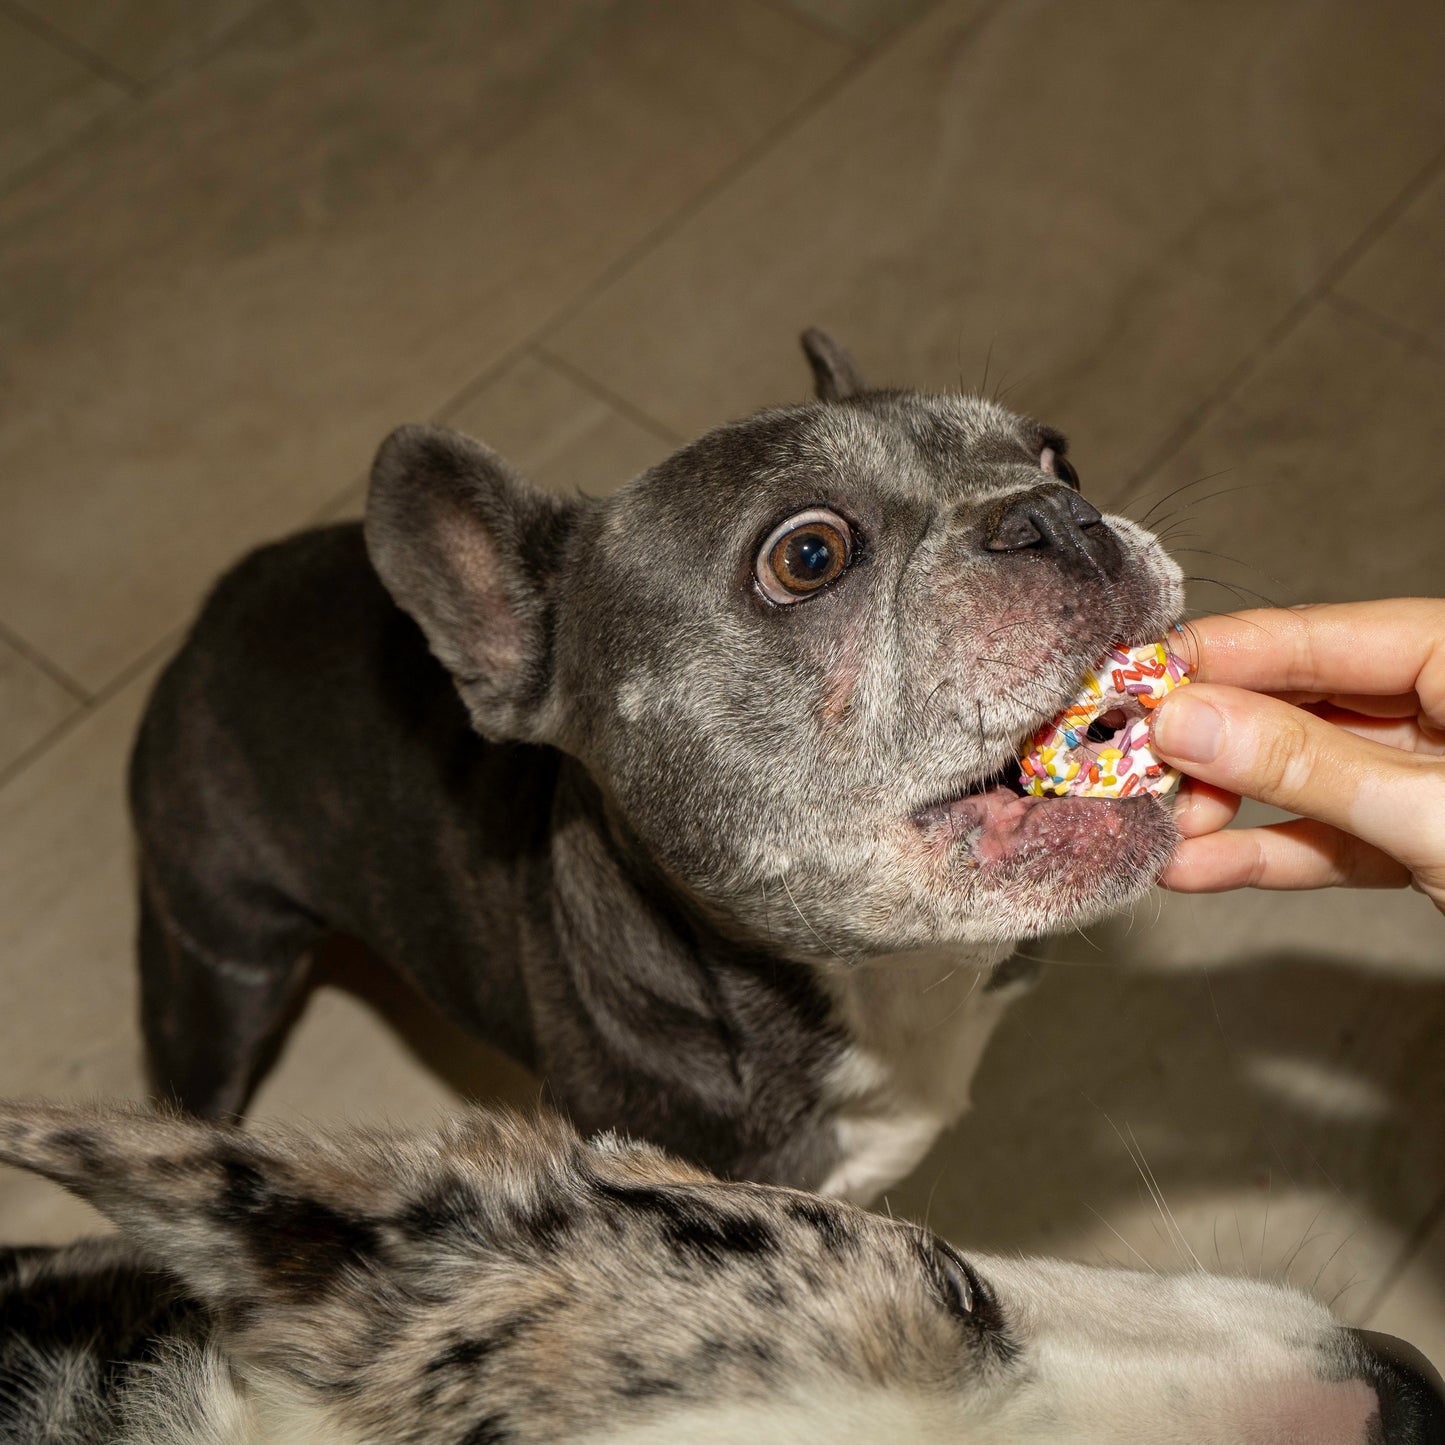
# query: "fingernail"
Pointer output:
{"type": "Point", "coordinates": [1187, 729]}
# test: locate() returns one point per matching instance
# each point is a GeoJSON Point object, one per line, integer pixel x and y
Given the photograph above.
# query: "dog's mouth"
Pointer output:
{"type": "Point", "coordinates": [985, 821]}
{"type": "Point", "coordinates": [1083, 782]}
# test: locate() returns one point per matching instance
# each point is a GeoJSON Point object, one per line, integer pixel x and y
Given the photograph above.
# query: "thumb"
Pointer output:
{"type": "Point", "coordinates": [1263, 748]}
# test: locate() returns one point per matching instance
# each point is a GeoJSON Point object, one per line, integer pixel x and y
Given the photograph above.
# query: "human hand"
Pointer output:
{"type": "Point", "coordinates": [1343, 724]}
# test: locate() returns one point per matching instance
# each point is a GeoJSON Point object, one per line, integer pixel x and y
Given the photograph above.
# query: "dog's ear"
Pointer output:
{"type": "Point", "coordinates": [238, 1217]}
{"type": "Point", "coordinates": [472, 552]}
{"type": "Point", "coordinates": [835, 374]}
{"type": "Point", "coordinates": [276, 1217]}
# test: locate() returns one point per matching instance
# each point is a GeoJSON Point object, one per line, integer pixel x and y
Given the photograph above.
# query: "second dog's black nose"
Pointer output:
{"type": "Point", "coordinates": [1051, 517]}
{"type": "Point", "coordinates": [1411, 1395]}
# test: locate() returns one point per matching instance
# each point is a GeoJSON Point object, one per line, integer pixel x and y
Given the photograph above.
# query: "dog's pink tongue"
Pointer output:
{"type": "Point", "coordinates": [1002, 815]}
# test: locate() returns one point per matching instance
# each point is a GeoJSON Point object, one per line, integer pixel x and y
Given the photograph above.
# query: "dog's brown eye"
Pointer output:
{"type": "Point", "coordinates": [1061, 467]}
{"type": "Point", "coordinates": [803, 555]}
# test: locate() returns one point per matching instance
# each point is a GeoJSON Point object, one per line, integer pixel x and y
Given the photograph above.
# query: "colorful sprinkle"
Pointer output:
{"type": "Point", "coordinates": [1062, 760]}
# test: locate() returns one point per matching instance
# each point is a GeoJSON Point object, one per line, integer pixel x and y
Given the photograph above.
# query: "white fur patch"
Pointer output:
{"type": "Point", "coordinates": [828, 1414]}
{"type": "Point", "coordinates": [638, 696]}
{"type": "Point", "coordinates": [1107, 1357]}
{"type": "Point", "coordinates": [193, 1396]}
{"type": "Point", "coordinates": [920, 1023]}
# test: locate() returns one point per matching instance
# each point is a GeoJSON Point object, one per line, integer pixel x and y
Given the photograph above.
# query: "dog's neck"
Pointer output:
{"type": "Point", "coordinates": [884, 1047]}
{"type": "Point", "coordinates": [723, 1044]}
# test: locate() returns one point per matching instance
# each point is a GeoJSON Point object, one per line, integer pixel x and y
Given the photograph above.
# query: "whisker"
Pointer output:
{"type": "Point", "coordinates": [1008, 627]}
{"type": "Point", "coordinates": [928, 1205]}
{"type": "Point", "coordinates": [1031, 957]}
{"type": "Point", "coordinates": [1003, 391]}
{"type": "Point", "coordinates": [1208, 497]}
{"type": "Point", "coordinates": [1240, 590]}
{"type": "Point", "coordinates": [1264, 1229]}
{"type": "Point", "coordinates": [1349, 1284]}
{"type": "Point", "coordinates": [783, 879]}
{"type": "Point", "coordinates": [1225, 557]}
{"type": "Point", "coordinates": [1329, 1178]}
{"type": "Point", "coordinates": [1163, 1203]}
{"type": "Point", "coordinates": [1249, 622]}
{"type": "Point", "coordinates": [1131, 1144]}
{"type": "Point", "coordinates": [962, 1003]}
{"type": "Point", "coordinates": [1320, 1272]}
{"type": "Point", "coordinates": [1285, 1265]}
{"type": "Point", "coordinates": [1170, 495]}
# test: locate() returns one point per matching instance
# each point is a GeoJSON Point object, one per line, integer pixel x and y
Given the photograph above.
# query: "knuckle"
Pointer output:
{"type": "Point", "coordinates": [1348, 858]}
{"type": "Point", "coordinates": [1282, 761]}
{"type": "Point", "coordinates": [1257, 866]}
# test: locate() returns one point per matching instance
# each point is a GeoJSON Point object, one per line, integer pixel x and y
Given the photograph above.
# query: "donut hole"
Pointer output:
{"type": "Point", "coordinates": [1107, 725]}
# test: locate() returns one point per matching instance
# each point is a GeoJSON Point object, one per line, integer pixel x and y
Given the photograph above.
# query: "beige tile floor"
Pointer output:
{"type": "Point", "coordinates": [239, 240]}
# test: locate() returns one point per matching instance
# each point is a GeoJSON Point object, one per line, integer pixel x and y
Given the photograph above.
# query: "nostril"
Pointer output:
{"type": "Point", "coordinates": [1051, 518]}
{"type": "Point", "coordinates": [1408, 1387]}
{"type": "Point", "coordinates": [1084, 513]}
{"type": "Point", "coordinates": [1013, 532]}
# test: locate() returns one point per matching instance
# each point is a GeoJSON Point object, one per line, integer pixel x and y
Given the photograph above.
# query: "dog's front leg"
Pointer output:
{"type": "Point", "coordinates": [210, 1022]}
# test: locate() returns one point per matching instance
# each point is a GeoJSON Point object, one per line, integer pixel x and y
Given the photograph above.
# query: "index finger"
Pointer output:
{"type": "Point", "coordinates": [1386, 648]}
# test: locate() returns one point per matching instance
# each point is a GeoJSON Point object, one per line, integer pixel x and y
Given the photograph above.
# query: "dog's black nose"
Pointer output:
{"type": "Point", "coordinates": [1051, 518]}
{"type": "Point", "coordinates": [1411, 1395]}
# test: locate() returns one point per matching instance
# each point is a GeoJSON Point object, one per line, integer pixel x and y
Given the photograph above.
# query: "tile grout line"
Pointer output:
{"type": "Point", "coordinates": [1386, 325]}
{"type": "Point", "coordinates": [1284, 327]}
{"type": "Point", "coordinates": [21, 177]}
{"type": "Point", "coordinates": [42, 663]}
{"type": "Point", "coordinates": [659, 233]}
{"type": "Point", "coordinates": [134, 93]}
{"type": "Point", "coordinates": [820, 28]}
{"type": "Point", "coordinates": [57, 39]}
{"type": "Point", "coordinates": [91, 706]}
{"type": "Point", "coordinates": [325, 514]}
{"type": "Point", "coordinates": [534, 341]}
{"type": "Point", "coordinates": [751, 157]}
{"type": "Point", "coordinates": [537, 339]}
{"type": "Point", "coordinates": [470, 390]}
{"type": "Point", "coordinates": [208, 50]}
{"type": "Point", "coordinates": [605, 394]}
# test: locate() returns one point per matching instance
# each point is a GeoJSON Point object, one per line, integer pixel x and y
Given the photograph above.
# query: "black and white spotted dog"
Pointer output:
{"type": "Point", "coordinates": [495, 1282]}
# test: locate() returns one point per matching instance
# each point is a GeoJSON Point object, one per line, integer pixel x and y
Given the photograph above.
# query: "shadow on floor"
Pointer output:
{"type": "Point", "coordinates": [1290, 1074]}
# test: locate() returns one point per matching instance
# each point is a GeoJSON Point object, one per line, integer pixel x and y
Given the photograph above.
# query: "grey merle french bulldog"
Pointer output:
{"type": "Point", "coordinates": [697, 798]}
{"type": "Point", "coordinates": [499, 1281]}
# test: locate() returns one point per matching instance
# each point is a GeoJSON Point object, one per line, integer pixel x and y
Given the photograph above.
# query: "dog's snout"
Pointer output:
{"type": "Point", "coordinates": [1051, 518]}
{"type": "Point", "coordinates": [1408, 1387]}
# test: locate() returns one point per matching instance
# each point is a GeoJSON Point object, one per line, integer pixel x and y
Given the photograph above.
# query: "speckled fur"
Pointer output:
{"type": "Point", "coordinates": [494, 1282]}
{"type": "Point", "coordinates": [563, 765]}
